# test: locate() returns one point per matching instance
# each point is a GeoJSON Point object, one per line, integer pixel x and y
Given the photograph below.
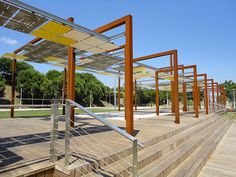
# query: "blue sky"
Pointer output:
{"type": "Point", "coordinates": [204, 32]}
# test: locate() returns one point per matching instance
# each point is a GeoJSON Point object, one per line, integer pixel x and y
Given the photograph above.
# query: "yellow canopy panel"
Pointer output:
{"type": "Point", "coordinates": [53, 31]}
{"type": "Point", "coordinates": [79, 68]}
{"type": "Point", "coordinates": [14, 56]}
{"type": "Point", "coordinates": [171, 78]}
{"type": "Point", "coordinates": [60, 65]}
{"type": "Point", "coordinates": [105, 73]}
{"type": "Point", "coordinates": [54, 59]}
{"type": "Point", "coordinates": [65, 35]}
{"type": "Point", "coordinates": [143, 75]}
{"type": "Point", "coordinates": [139, 69]}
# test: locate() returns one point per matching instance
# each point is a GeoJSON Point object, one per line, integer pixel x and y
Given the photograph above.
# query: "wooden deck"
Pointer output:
{"type": "Point", "coordinates": [222, 163]}
{"type": "Point", "coordinates": [27, 140]}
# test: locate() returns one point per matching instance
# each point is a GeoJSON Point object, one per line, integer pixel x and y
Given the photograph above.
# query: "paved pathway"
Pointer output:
{"type": "Point", "coordinates": [222, 163]}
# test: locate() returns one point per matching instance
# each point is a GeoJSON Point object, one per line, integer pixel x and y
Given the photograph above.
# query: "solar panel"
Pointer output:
{"type": "Point", "coordinates": [18, 19]}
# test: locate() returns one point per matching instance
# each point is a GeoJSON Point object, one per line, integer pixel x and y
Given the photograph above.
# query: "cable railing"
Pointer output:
{"type": "Point", "coordinates": [83, 143]}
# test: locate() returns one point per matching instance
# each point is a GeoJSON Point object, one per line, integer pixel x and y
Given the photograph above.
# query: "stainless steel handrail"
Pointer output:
{"type": "Point", "coordinates": [104, 121]}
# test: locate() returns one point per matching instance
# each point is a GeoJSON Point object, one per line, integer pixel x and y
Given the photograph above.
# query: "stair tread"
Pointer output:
{"type": "Point", "coordinates": [189, 166]}
{"type": "Point", "coordinates": [161, 164]}
{"type": "Point", "coordinates": [147, 152]}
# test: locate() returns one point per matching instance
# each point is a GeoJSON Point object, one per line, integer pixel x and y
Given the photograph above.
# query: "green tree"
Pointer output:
{"type": "Point", "coordinates": [53, 84]}
{"type": "Point", "coordinates": [6, 68]}
{"type": "Point", "coordinates": [86, 82]}
{"type": "Point", "coordinates": [2, 86]}
{"type": "Point", "coordinates": [32, 81]}
{"type": "Point", "coordinates": [229, 86]}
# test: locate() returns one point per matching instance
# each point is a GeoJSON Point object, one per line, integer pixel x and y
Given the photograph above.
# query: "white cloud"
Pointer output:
{"type": "Point", "coordinates": [8, 41]}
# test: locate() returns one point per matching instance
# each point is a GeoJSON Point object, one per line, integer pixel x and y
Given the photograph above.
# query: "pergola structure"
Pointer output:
{"type": "Point", "coordinates": [63, 43]}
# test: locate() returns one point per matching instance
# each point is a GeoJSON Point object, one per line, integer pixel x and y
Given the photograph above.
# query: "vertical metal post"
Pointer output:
{"type": "Point", "coordinates": [176, 88]}
{"type": "Point", "coordinates": [157, 93]}
{"type": "Point", "coordinates": [115, 92]}
{"type": "Point", "coordinates": [54, 132]}
{"type": "Point", "coordinates": [209, 98]}
{"type": "Point", "coordinates": [193, 98]}
{"type": "Point", "coordinates": [118, 99]}
{"type": "Point", "coordinates": [167, 99]}
{"type": "Point", "coordinates": [21, 90]}
{"type": "Point", "coordinates": [135, 158]}
{"type": "Point", "coordinates": [234, 97]}
{"type": "Point", "coordinates": [13, 88]}
{"type": "Point", "coordinates": [67, 133]}
{"type": "Point", "coordinates": [64, 91]}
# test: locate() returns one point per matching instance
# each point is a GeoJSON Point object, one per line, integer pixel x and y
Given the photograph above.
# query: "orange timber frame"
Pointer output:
{"type": "Point", "coordinates": [175, 87]}
{"type": "Point", "coordinates": [69, 91]}
{"type": "Point", "coordinates": [195, 95]}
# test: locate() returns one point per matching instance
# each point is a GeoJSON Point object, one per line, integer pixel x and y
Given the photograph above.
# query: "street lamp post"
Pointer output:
{"type": "Point", "coordinates": [21, 90]}
{"type": "Point", "coordinates": [234, 98]}
{"type": "Point", "coordinates": [90, 105]}
{"type": "Point", "coordinates": [32, 93]}
{"type": "Point", "coordinates": [167, 101]}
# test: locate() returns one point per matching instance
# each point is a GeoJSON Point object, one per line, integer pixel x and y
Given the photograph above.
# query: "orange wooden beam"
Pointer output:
{"type": "Point", "coordinates": [127, 21]}
{"type": "Point", "coordinates": [175, 70]}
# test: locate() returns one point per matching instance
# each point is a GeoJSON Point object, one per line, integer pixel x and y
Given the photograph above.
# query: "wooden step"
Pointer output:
{"type": "Point", "coordinates": [123, 167]}
{"type": "Point", "coordinates": [166, 164]}
{"type": "Point", "coordinates": [30, 170]}
{"type": "Point", "coordinates": [87, 167]}
{"type": "Point", "coordinates": [194, 163]}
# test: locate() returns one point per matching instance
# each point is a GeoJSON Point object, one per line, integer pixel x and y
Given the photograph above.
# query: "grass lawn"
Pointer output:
{"type": "Point", "coordinates": [231, 115]}
{"type": "Point", "coordinates": [41, 113]}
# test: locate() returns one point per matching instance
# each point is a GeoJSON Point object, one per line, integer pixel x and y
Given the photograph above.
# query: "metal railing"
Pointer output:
{"type": "Point", "coordinates": [72, 143]}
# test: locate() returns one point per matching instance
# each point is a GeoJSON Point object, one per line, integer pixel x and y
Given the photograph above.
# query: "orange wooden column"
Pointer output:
{"type": "Point", "coordinates": [213, 94]}
{"type": "Point", "coordinates": [206, 94]}
{"type": "Point", "coordinates": [172, 86]}
{"type": "Point", "coordinates": [157, 93]}
{"type": "Point", "coordinates": [199, 97]}
{"type": "Point", "coordinates": [127, 21]}
{"type": "Point", "coordinates": [184, 96]}
{"type": "Point", "coordinates": [196, 102]}
{"type": "Point", "coordinates": [217, 95]}
{"type": "Point", "coordinates": [71, 79]}
{"type": "Point", "coordinates": [129, 75]}
{"type": "Point", "coordinates": [13, 88]}
{"type": "Point", "coordinates": [118, 96]}
{"type": "Point", "coordinates": [176, 87]}
{"type": "Point", "coordinates": [224, 94]}
{"type": "Point", "coordinates": [64, 91]}
{"type": "Point", "coordinates": [193, 98]}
